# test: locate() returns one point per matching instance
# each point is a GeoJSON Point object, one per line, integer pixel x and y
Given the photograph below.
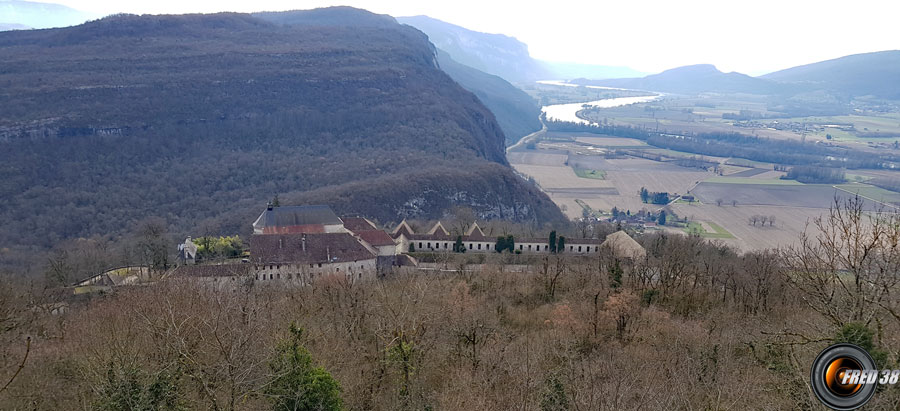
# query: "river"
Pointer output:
{"type": "Point", "coordinates": [566, 112]}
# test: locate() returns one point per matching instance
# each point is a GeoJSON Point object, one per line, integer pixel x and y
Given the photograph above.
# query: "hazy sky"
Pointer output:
{"type": "Point", "coordinates": [753, 37]}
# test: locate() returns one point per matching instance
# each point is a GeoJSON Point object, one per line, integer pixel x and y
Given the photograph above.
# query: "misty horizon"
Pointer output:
{"type": "Point", "coordinates": [754, 42]}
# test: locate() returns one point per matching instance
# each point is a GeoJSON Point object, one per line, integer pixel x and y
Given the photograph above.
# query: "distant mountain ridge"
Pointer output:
{"type": "Point", "coordinates": [30, 14]}
{"type": "Point", "coordinates": [13, 26]}
{"type": "Point", "coordinates": [869, 74]}
{"type": "Point", "coordinates": [504, 56]}
{"type": "Point", "coordinates": [876, 74]}
{"type": "Point", "coordinates": [692, 79]}
{"type": "Point", "coordinates": [201, 119]}
{"type": "Point", "coordinates": [495, 54]}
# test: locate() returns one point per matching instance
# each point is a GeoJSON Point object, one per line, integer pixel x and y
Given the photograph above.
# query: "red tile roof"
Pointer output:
{"type": "Point", "coordinates": [357, 224]}
{"type": "Point", "coordinates": [376, 238]}
{"type": "Point", "coordinates": [307, 248]}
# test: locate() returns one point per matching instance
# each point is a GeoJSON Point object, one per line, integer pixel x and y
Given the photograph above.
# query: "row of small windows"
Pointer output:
{"type": "Point", "coordinates": [290, 276]}
{"type": "Point", "coordinates": [278, 266]}
{"type": "Point", "coordinates": [438, 246]}
{"type": "Point", "coordinates": [446, 246]}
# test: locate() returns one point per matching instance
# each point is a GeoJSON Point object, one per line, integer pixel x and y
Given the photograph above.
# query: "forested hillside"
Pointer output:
{"type": "Point", "coordinates": [200, 119]}
{"type": "Point", "coordinates": [516, 112]}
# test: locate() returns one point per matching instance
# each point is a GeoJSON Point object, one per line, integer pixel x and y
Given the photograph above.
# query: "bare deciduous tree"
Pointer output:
{"type": "Point", "coordinates": [848, 272]}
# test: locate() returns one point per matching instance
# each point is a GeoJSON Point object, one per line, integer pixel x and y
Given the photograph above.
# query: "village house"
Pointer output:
{"type": "Point", "coordinates": [300, 258]}
{"type": "Point", "coordinates": [299, 243]}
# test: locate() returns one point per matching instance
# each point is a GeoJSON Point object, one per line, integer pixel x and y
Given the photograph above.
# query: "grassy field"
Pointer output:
{"type": "Point", "coordinates": [698, 228]}
{"type": "Point", "coordinates": [594, 174]}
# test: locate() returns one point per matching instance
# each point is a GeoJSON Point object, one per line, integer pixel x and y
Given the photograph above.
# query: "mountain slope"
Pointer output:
{"type": "Point", "coordinates": [516, 111]}
{"type": "Point", "coordinates": [39, 15]}
{"type": "Point", "coordinates": [491, 53]}
{"type": "Point", "coordinates": [200, 119]}
{"type": "Point", "coordinates": [876, 74]}
{"type": "Point", "coordinates": [693, 79]}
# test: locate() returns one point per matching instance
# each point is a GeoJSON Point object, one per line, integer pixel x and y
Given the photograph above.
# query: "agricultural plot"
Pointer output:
{"type": "Point", "coordinates": [595, 174]}
{"type": "Point", "coordinates": [743, 162]}
{"type": "Point", "coordinates": [866, 191]}
{"type": "Point", "coordinates": [769, 175]}
{"type": "Point", "coordinates": [790, 222]}
{"type": "Point", "coordinates": [707, 229]}
{"type": "Point", "coordinates": [749, 173]}
{"type": "Point", "coordinates": [753, 180]}
{"type": "Point", "coordinates": [537, 158]}
{"type": "Point", "coordinates": [784, 195]}
{"type": "Point", "coordinates": [605, 203]}
{"type": "Point", "coordinates": [672, 181]}
{"type": "Point", "coordinates": [601, 141]}
{"type": "Point", "coordinates": [560, 177]}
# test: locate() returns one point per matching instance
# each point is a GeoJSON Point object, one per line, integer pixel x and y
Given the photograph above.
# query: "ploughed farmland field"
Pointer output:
{"type": "Point", "coordinates": [789, 223]}
{"type": "Point", "coordinates": [789, 195]}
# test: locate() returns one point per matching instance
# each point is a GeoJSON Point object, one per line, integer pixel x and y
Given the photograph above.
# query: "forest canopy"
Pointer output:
{"type": "Point", "coordinates": [199, 119]}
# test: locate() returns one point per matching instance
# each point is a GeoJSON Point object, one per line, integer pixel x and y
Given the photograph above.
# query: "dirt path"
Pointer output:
{"type": "Point", "coordinates": [524, 140]}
